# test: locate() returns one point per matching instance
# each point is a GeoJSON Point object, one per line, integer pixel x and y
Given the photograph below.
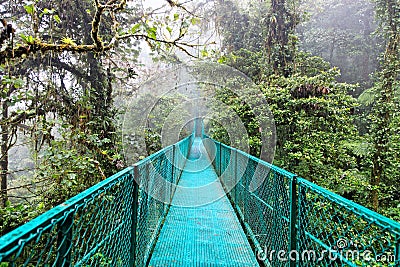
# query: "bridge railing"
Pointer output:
{"type": "Point", "coordinates": [293, 222]}
{"type": "Point", "coordinates": [113, 223]}
{"type": "Point", "coordinates": [353, 234]}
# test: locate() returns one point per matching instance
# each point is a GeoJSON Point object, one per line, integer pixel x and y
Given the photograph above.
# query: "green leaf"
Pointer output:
{"type": "Point", "coordinates": [194, 21]}
{"type": "Point", "coordinates": [18, 83]}
{"type": "Point", "coordinates": [176, 16]}
{"type": "Point", "coordinates": [222, 60]}
{"type": "Point", "coordinates": [152, 32]}
{"type": "Point", "coordinates": [204, 53]}
{"type": "Point", "coordinates": [27, 38]}
{"type": "Point", "coordinates": [135, 28]}
{"type": "Point", "coordinates": [30, 9]}
{"type": "Point", "coordinates": [47, 11]}
{"type": "Point", "coordinates": [69, 41]}
{"type": "Point", "coordinates": [57, 18]}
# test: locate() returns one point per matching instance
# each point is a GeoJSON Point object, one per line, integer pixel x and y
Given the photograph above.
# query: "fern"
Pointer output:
{"type": "Point", "coordinates": [368, 97]}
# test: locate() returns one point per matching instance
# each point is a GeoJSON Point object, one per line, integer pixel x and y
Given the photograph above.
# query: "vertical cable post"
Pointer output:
{"type": "Point", "coordinates": [236, 174]}
{"type": "Point", "coordinates": [135, 177]}
{"type": "Point", "coordinates": [397, 252]}
{"type": "Point", "coordinates": [220, 159]}
{"type": "Point", "coordinates": [292, 219]}
{"type": "Point", "coordinates": [173, 181]}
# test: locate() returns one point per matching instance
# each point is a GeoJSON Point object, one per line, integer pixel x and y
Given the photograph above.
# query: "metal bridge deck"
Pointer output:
{"type": "Point", "coordinates": [201, 228]}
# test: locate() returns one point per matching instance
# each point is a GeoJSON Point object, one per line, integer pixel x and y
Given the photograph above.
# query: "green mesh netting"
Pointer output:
{"type": "Point", "coordinates": [292, 222]}
{"type": "Point", "coordinates": [114, 223]}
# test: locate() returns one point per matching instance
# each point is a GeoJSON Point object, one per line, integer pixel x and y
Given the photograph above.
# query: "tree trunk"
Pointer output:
{"type": "Point", "coordinates": [281, 24]}
{"type": "Point", "coordinates": [384, 108]}
{"type": "Point", "coordinates": [4, 155]}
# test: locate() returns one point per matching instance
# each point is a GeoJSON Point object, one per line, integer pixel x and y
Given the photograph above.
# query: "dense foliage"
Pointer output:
{"type": "Point", "coordinates": [323, 133]}
{"type": "Point", "coordinates": [61, 63]}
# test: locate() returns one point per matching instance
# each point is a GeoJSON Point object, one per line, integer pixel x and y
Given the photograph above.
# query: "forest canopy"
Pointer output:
{"type": "Point", "coordinates": [328, 69]}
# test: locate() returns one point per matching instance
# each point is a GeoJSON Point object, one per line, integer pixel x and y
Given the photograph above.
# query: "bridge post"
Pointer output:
{"type": "Point", "coordinates": [173, 182]}
{"type": "Point", "coordinates": [135, 196]}
{"type": "Point", "coordinates": [292, 219]}
{"type": "Point", "coordinates": [64, 241]}
{"type": "Point", "coordinates": [397, 252]}
{"type": "Point", "coordinates": [236, 174]}
{"type": "Point", "coordinates": [220, 159]}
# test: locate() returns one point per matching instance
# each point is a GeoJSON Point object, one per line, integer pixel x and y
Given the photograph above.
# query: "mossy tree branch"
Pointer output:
{"type": "Point", "coordinates": [112, 7]}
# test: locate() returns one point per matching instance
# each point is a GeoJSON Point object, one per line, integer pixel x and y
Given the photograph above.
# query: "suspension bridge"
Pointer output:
{"type": "Point", "coordinates": [202, 203]}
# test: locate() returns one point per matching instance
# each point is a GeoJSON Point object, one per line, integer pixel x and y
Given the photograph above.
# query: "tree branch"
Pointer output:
{"type": "Point", "coordinates": [98, 45]}
{"type": "Point", "coordinates": [176, 42]}
{"type": "Point", "coordinates": [37, 46]}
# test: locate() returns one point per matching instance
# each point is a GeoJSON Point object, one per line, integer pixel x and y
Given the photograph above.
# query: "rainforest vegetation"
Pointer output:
{"type": "Point", "coordinates": [329, 70]}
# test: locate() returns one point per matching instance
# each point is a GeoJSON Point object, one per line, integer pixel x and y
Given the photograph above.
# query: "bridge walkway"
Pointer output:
{"type": "Point", "coordinates": [201, 228]}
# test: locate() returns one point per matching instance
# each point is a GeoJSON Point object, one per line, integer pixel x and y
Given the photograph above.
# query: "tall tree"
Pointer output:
{"type": "Point", "coordinates": [384, 109]}
{"type": "Point", "coordinates": [280, 43]}
{"type": "Point", "coordinates": [262, 31]}
{"type": "Point", "coordinates": [65, 52]}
